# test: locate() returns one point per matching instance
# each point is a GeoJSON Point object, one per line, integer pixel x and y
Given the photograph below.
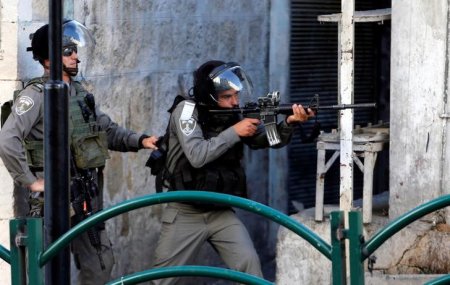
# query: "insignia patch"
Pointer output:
{"type": "Point", "coordinates": [23, 105]}
{"type": "Point", "coordinates": [187, 126]}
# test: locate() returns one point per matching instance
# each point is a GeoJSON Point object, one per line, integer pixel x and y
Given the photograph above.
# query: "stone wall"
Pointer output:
{"type": "Point", "coordinates": [144, 55]}
{"type": "Point", "coordinates": [8, 82]}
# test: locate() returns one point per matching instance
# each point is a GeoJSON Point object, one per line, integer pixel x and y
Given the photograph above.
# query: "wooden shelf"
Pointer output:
{"type": "Point", "coordinates": [378, 15]}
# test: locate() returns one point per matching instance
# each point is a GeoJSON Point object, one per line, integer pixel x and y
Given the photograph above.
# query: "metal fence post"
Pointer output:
{"type": "Point", "coordinates": [26, 246]}
{"type": "Point", "coordinates": [35, 247]}
{"type": "Point", "coordinates": [17, 248]}
{"type": "Point", "coordinates": [338, 260]}
{"type": "Point", "coordinates": [356, 240]}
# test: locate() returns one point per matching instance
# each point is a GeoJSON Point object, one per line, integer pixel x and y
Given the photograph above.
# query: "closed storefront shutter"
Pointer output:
{"type": "Point", "coordinates": [314, 70]}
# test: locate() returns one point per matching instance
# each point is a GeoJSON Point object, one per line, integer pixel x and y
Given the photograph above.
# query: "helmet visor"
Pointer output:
{"type": "Point", "coordinates": [75, 33]}
{"type": "Point", "coordinates": [232, 76]}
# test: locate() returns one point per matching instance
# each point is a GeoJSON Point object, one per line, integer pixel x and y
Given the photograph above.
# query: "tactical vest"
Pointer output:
{"type": "Point", "coordinates": [223, 175]}
{"type": "Point", "coordinates": [88, 143]}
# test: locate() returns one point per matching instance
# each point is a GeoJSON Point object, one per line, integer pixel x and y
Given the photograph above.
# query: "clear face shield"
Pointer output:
{"type": "Point", "coordinates": [75, 35]}
{"type": "Point", "coordinates": [231, 76]}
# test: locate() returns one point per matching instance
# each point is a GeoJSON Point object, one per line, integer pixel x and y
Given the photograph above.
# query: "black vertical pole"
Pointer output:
{"type": "Point", "coordinates": [56, 152]}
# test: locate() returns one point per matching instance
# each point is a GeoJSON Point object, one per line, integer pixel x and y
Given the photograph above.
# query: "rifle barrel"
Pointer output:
{"type": "Point", "coordinates": [346, 106]}
{"type": "Point", "coordinates": [286, 109]}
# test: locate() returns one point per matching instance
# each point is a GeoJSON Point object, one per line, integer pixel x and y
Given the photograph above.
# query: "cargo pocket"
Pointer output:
{"type": "Point", "coordinates": [168, 236]}
{"type": "Point", "coordinates": [169, 215]}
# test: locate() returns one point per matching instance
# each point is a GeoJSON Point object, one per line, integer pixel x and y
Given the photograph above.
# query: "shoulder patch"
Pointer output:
{"type": "Point", "coordinates": [187, 126]}
{"type": "Point", "coordinates": [23, 105]}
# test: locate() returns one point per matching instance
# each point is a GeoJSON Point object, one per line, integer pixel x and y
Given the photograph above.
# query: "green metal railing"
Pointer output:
{"type": "Point", "coordinates": [189, 196]}
{"type": "Point", "coordinates": [444, 280]}
{"type": "Point", "coordinates": [27, 240]}
{"type": "Point", "coordinates": [396, 225]}
{"type": "Point", "coordinates": [178, 271]}
{"type": "Point", "coordinates": [5, 254]}
{"type": "Point", "coordinates": [361, 250]}
{"type": "Point", "coordinates": [35, 266]}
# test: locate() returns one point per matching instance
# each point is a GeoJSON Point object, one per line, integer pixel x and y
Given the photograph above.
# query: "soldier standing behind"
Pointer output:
{"type": "Point", "coordinates": [91, 134]}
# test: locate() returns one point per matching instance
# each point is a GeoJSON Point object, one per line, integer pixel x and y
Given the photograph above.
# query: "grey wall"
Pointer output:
{"type": "Point", "coordinates": [419, 83]}
{"type": "Point", "coordinates": [144, 55]}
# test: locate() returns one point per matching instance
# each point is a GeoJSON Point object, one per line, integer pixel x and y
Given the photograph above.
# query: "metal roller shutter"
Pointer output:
{"type": "Point", "coordinates": [313, 70]}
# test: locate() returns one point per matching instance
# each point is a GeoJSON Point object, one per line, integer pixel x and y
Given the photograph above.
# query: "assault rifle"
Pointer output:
{"type": "Point", "coordinates": [82, 189]}
{"type": "Point", "coordinates": [268, 107]}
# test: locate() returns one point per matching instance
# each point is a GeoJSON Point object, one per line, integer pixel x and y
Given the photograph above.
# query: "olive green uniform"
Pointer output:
{"type": "Point", "coordinates": [26, 124]}
{"type": "Point", "coordinates": [204, 154]}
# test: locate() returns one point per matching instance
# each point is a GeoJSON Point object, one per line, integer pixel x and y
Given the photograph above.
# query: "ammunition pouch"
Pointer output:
{"type": "Point", "coordinates": [35, 154]}
{"type": "Point", "coordinates": [89, 144]}
{"type": "Point", "coordinates": [90, 150]}
{"type": "Point", "coordinates": [222, 180]}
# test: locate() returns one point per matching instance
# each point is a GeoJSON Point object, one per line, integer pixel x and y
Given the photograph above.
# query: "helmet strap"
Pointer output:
{"type": "Point", "coordinates": [214, 99]}
{"type": "Point", "coordinates": [70, 71]}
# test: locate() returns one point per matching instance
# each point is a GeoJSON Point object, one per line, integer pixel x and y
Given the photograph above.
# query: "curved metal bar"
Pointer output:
{"type": "Point", "coordinates": [5, 254]}
{"type": "Point", "coordinates": [178, 271]}
{"type": "Point", "coordinates": [440, 280]}
{"type": "Point", "coordinates": [396, 225]}
{"type": "Point", "coordinates": [188, 196]}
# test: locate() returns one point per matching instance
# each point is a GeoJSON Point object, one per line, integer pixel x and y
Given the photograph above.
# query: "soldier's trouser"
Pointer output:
{"type": "Point", "coordinates": [184, 230]}
{"type": "Point", "coordinates": [88, 263]}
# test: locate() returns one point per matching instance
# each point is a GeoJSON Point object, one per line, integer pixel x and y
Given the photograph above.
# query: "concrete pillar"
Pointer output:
{"type": "Point", "coordinates": [418, 94]}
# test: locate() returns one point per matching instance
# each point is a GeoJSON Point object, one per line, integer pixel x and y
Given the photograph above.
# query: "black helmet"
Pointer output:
{"type": "Point", "coordinates": [74, 34]}
{"type": "Point", "coordinates": [215, 76]}
{"type": "Point", "coordinates": [39, 44]}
